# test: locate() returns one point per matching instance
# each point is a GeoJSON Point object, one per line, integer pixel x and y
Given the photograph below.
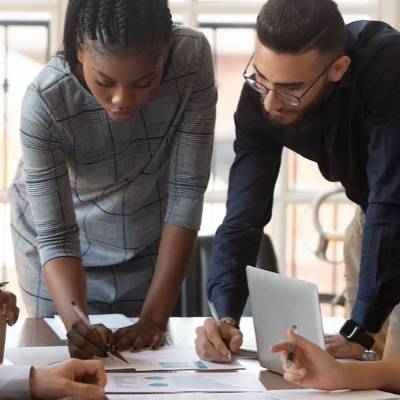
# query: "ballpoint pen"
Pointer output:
{"type": "Point", "coordinates": [110, 349]}
{"type": "Point", "coordinates": [215, 317]}
{"type": "Point", "coordinates": [3, 308]}
{"type": "Point", "coordinates": [291, 349]}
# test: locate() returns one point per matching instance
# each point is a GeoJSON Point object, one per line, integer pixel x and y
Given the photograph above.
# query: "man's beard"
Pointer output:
{"type": "Point", "coordinates": [301, 116]}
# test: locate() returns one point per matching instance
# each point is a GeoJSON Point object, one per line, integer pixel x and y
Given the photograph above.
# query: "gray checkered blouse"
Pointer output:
{"type": "Point", "coordinates": [97, 189]}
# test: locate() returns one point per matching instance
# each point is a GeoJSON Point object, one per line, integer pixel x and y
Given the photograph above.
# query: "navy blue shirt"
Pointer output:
{"type": "Point", "coordinates": [354, 137]}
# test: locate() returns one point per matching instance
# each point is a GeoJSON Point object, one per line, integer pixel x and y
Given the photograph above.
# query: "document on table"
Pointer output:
{"type": "Point", "coordinates": [270, 395]}
{"type": "Point", "coordinates": [168, 358]}
{"type": "Point", "coordinates": [175, 382]}
{"type": "Point", "coordinates": [111, 321]}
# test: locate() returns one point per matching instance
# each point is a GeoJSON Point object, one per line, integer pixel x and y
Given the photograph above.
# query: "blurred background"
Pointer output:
{"type": "Point", "coordinates": [31, 31]}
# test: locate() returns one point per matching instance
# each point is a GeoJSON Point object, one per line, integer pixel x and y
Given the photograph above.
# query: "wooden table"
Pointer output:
{"type": "Point", "coordinates": [36, 332]}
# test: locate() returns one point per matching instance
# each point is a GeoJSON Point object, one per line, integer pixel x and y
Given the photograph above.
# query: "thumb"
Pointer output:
{"type": "Point", "coordinates": [300, 341]}
{"type": "Point", "coordinates": [85, 390]}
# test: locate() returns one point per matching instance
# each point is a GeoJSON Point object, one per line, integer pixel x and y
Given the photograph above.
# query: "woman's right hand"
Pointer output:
{"type": "Point", "coordinates": [85, 342]}
{"type": "Point", "coordinates": [312, 367]}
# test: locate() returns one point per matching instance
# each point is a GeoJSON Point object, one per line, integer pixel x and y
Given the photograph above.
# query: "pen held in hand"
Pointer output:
{"type": "Point", "coordinates": [83, 317]}
{"type": "Point", "coordinates": [215, 317]}
{"type": "Point", "coordinates": [291, 349]}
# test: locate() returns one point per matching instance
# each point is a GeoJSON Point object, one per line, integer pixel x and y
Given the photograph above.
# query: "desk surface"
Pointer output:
{"type": "Point", "coordinates": [36, 332]}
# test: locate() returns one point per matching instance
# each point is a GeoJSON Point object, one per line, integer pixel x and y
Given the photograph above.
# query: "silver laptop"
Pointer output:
{"type": "Point", "coordinates": [279, 302]}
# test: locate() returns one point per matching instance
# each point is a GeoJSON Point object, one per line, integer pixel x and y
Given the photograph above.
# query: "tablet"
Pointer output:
{"type": "Point", "coordinates": [278, 303]}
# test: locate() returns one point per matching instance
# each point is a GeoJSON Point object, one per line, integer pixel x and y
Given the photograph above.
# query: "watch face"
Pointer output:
{"type": "Point", "coordinates": [349, 329]}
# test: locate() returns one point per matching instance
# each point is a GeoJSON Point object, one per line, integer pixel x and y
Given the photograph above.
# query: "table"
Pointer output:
{"type": "Point", "coordinates": [35, 332]}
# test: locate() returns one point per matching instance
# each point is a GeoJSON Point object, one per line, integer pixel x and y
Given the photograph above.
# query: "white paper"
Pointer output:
{"type": "Point", "coordinates": [169, 358]}
{"type": "Point", "coordinates": [111, 321]}
{"type": "Point", "coordinates": [175, 382]}
{"type": "Point", "coordinates": [332, 325]}
{"type": "Point", "coordinates": [270, 395]}
{"type": "Point", "coordinates": [38, 357]}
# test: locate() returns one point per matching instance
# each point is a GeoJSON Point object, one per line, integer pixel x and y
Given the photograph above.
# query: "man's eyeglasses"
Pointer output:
{"type": "Point", "coordinates": [288, 98]}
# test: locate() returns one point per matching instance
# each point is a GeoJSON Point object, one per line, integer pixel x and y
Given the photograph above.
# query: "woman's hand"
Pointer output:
{"type": "Point", "coordinates": [8, 307]}
{"type": "Point", "coordinates": [144, 333]}
{"type": "Point", "coordinates": [85, 342]}
{"type": "Point", "coordinates": [311, 367]}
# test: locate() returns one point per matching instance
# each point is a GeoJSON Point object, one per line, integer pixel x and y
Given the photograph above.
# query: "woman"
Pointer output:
{"type": "Point", "coordinates": [117, 135]}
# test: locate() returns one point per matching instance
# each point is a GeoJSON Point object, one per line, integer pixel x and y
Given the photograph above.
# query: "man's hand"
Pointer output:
{"type": "Point", "coordinates": [85, 342]}
{"type": "Point", "coordinates": [144, 333]}
{"type": "Point", "coordinates": [78, 378]}
{"type": "Point", "coordinates": [211, 346]}
{"type": "Point", "coordinates": [312, 367]}
{"type": "Point", "coordinates": [8, 307]}
{"type": "Point", "coordinates": [339, 347]}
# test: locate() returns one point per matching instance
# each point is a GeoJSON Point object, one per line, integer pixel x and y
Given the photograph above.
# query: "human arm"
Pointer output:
{"type": "Point", "coordinates": [174, 254]}
{"type": "Point", "coordinates": [250, 196]}
{"type": "Point", "coordinates": [49, 195]}
{"type": "Point", "coordinates": [379, 277]}
{"type": "Point", "coordinates": [66, 281]}
{"type": "Point", "coordinates": [315, 368]}
{"type": "Point", "coordinates": [188, 178]}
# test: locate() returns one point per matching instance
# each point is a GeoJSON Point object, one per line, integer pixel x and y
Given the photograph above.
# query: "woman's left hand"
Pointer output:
{"type": "Point", "coordinates": [144, 333]}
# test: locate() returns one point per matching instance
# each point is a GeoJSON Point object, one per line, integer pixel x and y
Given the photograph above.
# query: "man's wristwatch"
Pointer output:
{"type": "Point", "coordinates": [355, 333]}
{"type": "Point", "coordinates": [230, 321]}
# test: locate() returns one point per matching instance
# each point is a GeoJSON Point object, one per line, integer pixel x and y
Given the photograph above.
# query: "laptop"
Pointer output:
{"type": "Point", "coordinates": [279, 302]}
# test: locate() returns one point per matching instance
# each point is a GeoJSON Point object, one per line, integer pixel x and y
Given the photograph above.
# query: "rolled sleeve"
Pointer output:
{"type": "Point", "coordinates": [14, 382]}
{"type": "Point", "coordinates": [193, 145]}
{"type": "Point", "coordinates": [47, 181]}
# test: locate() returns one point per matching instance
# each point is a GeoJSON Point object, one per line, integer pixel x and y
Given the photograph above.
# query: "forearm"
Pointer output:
{"type": "Point", "coordinates": [383, 375]}
{"type": "Point", "coordinates": [66, 281]}
{"type": "Point", "coordinates": [174, 254]}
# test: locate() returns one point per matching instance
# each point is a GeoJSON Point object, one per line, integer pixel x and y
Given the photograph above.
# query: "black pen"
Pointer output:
{"type": "Point", "coordinates": [291, 349]}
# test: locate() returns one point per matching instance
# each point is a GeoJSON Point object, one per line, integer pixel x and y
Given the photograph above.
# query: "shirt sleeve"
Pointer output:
{"type": "Point", "coordinates": [193, 144]}
{"type": "Point", "coordinates": [14, 382]}
{"type": "Point", "coordinates": [379, 279]}
{"type": "Point", "coordinates": [47, 181]}
{"type": "Point", "coordinates": [251, 185]}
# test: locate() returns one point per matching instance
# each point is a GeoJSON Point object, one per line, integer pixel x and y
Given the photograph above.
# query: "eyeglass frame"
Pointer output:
{"type": "Point", "coordinates": [298, 99]}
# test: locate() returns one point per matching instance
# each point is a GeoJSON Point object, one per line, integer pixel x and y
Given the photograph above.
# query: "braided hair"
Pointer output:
{"type": "Point", "coordinates": [134, 24]}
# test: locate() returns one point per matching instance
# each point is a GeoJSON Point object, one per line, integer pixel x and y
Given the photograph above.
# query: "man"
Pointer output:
{"type": "Point", "coordinates": [331, 93]}
{"type": "Point", "coordinates": [72, 378]}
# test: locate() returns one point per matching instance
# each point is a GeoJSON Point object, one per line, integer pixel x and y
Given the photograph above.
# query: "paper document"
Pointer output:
{"type": "Point", "coordinates": [175, 382]}
{"type": "Point", "coordinates": [111, 321]}
{"type": "Point", "coordinates": [270, 395]}
{"type": "Point", "coordinates": [169, 358]}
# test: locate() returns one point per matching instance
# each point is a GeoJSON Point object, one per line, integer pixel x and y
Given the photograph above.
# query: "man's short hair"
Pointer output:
{"type": "Point", "coordinates": [297, 26]}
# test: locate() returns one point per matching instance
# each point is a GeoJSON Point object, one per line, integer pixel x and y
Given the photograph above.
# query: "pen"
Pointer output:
{"type": "Point", "coordinates": [83, 317]}
{"type": "Point", "coordinates": [291, 349]}
{"type": "Point", "coordinates": [3, 308]}
{"type": "Point", "coordinates": [215, 317]}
